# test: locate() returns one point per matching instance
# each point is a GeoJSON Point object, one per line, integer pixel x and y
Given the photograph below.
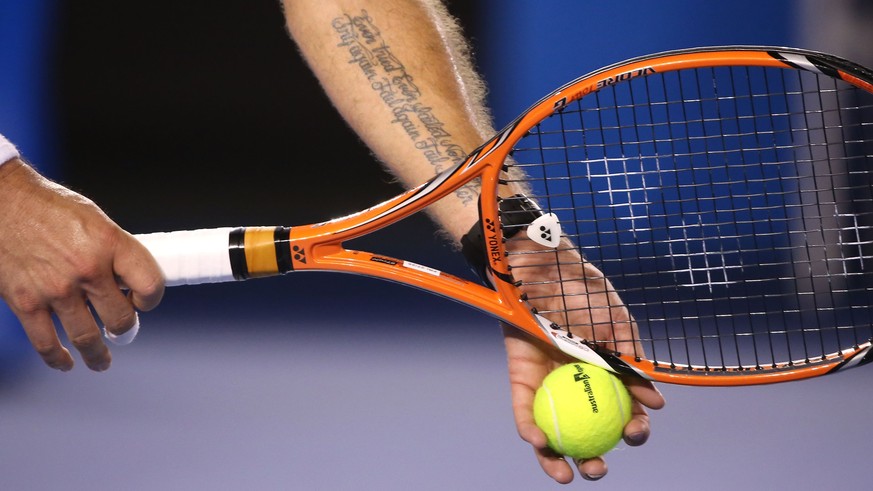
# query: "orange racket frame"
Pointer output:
{"type": "Point", "coordinates": [320, 246]}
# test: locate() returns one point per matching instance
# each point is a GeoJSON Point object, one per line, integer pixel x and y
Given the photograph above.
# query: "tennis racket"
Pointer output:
{"type": "Point", "coordinates": [701, 217]}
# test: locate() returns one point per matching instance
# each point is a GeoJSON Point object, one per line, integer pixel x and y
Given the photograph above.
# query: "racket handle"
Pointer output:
{"type": "Point", "coordinates": [191, 257]}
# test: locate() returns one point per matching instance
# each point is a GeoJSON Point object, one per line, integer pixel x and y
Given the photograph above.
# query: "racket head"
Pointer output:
{"type": "Point", "coordinates": [634, 170]}
{"type": "Point", "coordinates": [722, 200]}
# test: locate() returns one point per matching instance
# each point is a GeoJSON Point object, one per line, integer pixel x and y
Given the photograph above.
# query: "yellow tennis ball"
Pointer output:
{"type": "Point", "coordinates": [582, 409]}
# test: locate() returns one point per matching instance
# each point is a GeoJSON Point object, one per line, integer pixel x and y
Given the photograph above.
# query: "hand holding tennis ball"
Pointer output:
{"type": "Point", "coordinates": [582, 409]}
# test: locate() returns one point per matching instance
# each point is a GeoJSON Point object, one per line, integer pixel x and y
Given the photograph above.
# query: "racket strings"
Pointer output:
{"type": "Point", "coordinates": [731, 208]}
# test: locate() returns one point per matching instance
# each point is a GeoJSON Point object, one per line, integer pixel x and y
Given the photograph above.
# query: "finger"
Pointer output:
{"type": "Point", "coordinates": [527, 368]}
{"type": "Point", "coordinates": [41, 332]}
{"type": "Point", "coordinates": [645, 392]}
{"type": "Point", "coordinates": [114, 309]}
{"type": "Point", "coordinates": [638, 429]}
{"type": "Point", "coordinates": [531, 433]}
{"type": "Point", "coordinates": [554, 465]}
{"type": "Point", "coordinates": [522, 396]}
{"type": "Point", "coordinates": [82, 330]}
{"type": "Point", "coordinates": [528, 365]}
{"type": "Point", "coordinates": [137, 270]}
{"type": "Point", "coordinates": [592, 469]}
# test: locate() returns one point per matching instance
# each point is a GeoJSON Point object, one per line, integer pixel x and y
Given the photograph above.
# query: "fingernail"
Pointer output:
{"type": "Point", "coordinates": [638, 438]}
{"type": "Point", "coordinates": [592, 477]}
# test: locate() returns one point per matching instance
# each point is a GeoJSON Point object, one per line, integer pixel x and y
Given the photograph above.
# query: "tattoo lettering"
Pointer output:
{"type": "Point", "coordinates": [366, 48]}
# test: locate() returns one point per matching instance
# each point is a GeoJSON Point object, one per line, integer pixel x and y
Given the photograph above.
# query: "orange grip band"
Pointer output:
{"type": "Point", "coordinates": [260, 250]}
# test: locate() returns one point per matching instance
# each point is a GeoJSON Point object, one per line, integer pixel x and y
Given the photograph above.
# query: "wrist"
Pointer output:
{"type": "Point", "coordinates": [7, 150]}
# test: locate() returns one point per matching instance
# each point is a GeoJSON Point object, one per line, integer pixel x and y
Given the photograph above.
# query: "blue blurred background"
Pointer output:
{"type": "Point", "coordinates": [194, 114]}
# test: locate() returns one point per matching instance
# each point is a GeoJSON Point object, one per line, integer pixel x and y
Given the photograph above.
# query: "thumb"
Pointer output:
{"type": "Point", "coordinates": [138, 271]}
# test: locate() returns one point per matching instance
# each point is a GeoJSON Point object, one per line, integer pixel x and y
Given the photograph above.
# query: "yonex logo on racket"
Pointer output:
{"type": "Point", "coordinates": [299, 254]}
{"type": "Point", "coordinates": [492, 241]}
{"type": "Point", "coordinates": [489, 225]}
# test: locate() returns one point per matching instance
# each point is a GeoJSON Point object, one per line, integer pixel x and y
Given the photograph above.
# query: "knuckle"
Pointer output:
{"type": "Point", "coordinates": [86, 340]}
{"type": "Point", "coordinates": [41, 293]}
{"type": "Point", "coordinates": [47, 351]}
{"type": "Point", "coordinates": [88, 268]}
{"type": "Point", "coordinates": [60, 291]}
{"type": "Point", "coordinates": [89, 257]}
{"type": "Point", "coordinates": [25, 302]}
{"type": "Point", "coordinates": [148, 296]}
{"type": "Point", "coordinates": [121, 322]}
{"type": "Point", "coordinates": [154, 288]}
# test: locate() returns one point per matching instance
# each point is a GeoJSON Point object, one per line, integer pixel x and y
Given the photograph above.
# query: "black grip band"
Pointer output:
{"type": "Point", "coordinates": [236, 248]}
{"type": "Point", "coordinates": [283, 249]}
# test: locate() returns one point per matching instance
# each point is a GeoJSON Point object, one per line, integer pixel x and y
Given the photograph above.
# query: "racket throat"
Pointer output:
{"type": "Point", "coordinates": [580, 350]}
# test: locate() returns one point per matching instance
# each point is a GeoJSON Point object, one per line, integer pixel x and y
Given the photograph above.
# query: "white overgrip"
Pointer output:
{"type": "Point", "coordinates": [191, 257]}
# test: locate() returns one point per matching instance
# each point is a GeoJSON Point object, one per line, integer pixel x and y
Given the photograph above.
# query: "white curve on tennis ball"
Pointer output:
{"type": "Point", "coordinates": [127, 337]}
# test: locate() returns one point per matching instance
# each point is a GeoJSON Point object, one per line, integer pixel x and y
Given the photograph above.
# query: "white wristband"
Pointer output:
{"type": "Point", "coordinates": [7, 150]}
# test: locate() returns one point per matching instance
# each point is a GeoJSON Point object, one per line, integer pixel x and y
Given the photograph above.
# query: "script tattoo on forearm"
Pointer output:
{"type": "Point", "coordinates": [397, 90]}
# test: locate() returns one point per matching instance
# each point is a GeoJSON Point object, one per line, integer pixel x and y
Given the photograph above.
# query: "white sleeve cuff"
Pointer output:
{"type": "Point", "coordinates": [7, 150]}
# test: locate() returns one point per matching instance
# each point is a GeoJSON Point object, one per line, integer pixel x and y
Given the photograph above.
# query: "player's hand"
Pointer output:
{"type": "Point", "coordinates": [600, 315]}
{"type": "Point", "coordinates": [61, 255]}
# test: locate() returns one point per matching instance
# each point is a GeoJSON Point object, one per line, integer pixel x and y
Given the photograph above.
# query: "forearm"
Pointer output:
{"type": "Point", "coordinates": [398, 72]}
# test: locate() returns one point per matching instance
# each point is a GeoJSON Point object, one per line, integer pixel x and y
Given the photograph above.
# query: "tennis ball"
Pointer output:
{"type": "Point", "coordinates": [582, 409]}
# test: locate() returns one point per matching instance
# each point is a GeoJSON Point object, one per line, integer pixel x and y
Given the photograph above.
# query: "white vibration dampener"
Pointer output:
{"type": "Point", "coordinates": [545, 230]}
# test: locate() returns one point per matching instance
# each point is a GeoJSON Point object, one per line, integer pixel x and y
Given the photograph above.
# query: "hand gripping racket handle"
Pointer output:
{"type": "Point", "coordinates": [191, 257]}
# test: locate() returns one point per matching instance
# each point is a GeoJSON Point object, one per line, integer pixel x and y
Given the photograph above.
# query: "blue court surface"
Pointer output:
{"type": "Point", "coordinates": [211, 396]}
